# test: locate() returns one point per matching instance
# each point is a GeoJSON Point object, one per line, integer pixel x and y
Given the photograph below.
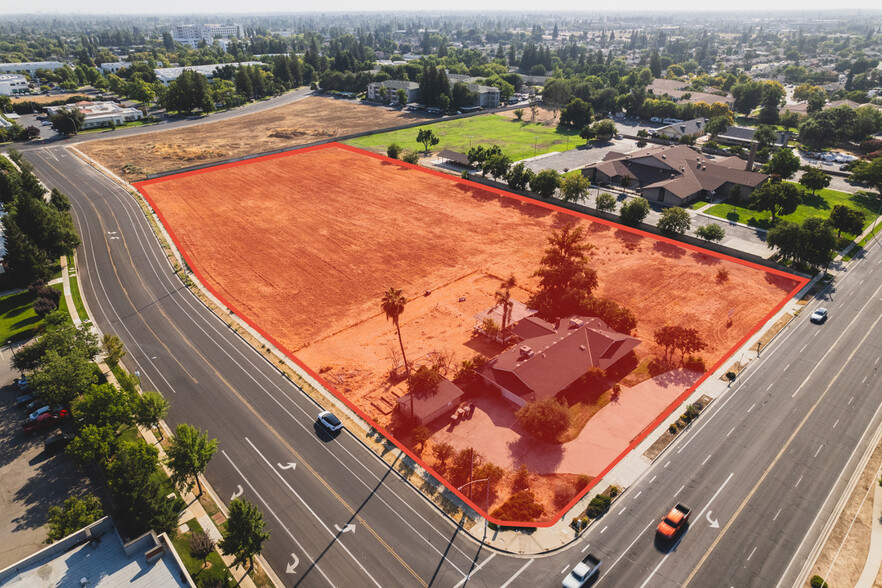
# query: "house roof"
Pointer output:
{"type": "Point", "coordinates": [745, 135]}
{"type": "Point", "coordinates": [532, 327]}
{"type": "Point", "coordinates": [679, 169]}
{"type": "Point", "coordinates": [455, 157]}
{"type": "Point", "coordinates": [545, 365]}
{"type": "Point", "coordinates": [519, 311]}
{"type": "Point", "coordinates": [687, 127]}
{"type": "Point", "coordinates": [448, 393]}
{"type": "Point", "coordinates": [483, 89]}
{"type": "Point", "coordinates": [398, 84]}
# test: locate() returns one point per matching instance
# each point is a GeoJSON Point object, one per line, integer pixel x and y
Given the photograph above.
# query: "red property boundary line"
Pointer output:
{"type": "Point", "coordinates": [801, 282]}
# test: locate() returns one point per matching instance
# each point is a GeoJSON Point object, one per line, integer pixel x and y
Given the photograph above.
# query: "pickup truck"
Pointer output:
{"type": "Point", "coordinates": [584, 571]}
{"type": "Point", "coordinates": [674, 522]}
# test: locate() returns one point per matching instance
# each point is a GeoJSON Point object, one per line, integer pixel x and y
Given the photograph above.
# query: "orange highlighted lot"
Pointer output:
{"type": "Point", "coordinates": [303, 245]}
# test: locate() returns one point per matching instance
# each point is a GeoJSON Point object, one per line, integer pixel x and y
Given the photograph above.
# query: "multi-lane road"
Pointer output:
{"type": "Point", "coordinates": [762, 468]}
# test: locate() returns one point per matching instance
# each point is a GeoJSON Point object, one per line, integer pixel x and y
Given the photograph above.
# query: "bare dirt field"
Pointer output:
{"type": "Point", "coordinates": [43, 98]}
{"type": "Point", "coordinates": [298, 123]}
{"type": "Point", "coordinates": [304, 244]}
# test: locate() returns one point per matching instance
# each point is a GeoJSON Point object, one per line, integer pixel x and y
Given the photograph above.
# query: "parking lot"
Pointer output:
{"type": "Point", "coordinates": [32, 479]}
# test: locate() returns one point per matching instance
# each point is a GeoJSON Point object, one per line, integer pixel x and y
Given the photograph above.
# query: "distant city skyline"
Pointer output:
{"type": "Point", "coordinates": [215, 8]}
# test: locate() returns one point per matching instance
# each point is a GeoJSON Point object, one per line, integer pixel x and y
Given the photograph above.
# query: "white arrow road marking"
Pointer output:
{"type": "Point", "coordinates": [714, 523]}
{"type": "Point", "coordinates": [238, 492]}
{"type": "Point", "coordinates": [287, 466]}
{"type": "Point", "coordinates": [291, 566]}
{"type": "Point", "coordinates": [346, 529]}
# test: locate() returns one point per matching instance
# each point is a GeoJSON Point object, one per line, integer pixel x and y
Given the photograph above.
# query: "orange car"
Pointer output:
{"type": "Point", "coordinates": [674, 522]}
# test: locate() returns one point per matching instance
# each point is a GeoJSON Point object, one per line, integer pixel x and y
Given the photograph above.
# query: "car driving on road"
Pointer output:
{"type": "Point", "coordinates": [819, 316]}
{"type": "Point", "coordinates": [330, 421]}
{"type": "Point", "coordinates": [585, 570]}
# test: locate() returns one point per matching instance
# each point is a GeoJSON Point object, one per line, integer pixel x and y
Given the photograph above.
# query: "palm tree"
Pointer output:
{"type": "Point", "coordinates": [393, 305]}
{"type": "Point", "coordinates": [503, 297]}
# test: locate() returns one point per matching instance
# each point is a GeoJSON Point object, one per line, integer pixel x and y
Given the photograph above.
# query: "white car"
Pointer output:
{"type": "Point", "coordinates": [819, 316]}
{"type": "Point", "coordinates": [585, 570]}
{"type": "Point", "coordinates": [330, 421]}
{"type": "Point", "coordinates": [33, 416]}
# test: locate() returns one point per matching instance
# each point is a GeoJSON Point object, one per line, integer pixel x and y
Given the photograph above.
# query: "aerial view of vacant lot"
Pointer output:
{"type": "Point", "coordinates": [298, 123]}
{"type": "Point", "coordinates": [304, 244]}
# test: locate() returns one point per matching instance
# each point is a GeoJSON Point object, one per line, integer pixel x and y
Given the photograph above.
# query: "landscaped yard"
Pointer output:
{"type": "Point", "coordinates": [17, 317]}
{"type": "Point", "coordinates": [819, 204]}
{"type": "Point", "coordinates": [518, 140]}
{"type": "Point", "coordinates": [213, 572]}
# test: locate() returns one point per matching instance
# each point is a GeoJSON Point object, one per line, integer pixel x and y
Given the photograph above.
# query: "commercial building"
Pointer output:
{"type": "Point", "coordinates": [113, 67]}
{"type": "Point", "coordinates": [11, 84]}
{"type": "Point", "coordinates": [375, 90]}
{"type": "Point", "coordinates": [30, 67]}
{"type": "Point", "coordinates": [192, 34]}
{"type": "Point", "coordinates": [96, 556]}
{"type": "Point", "coordinates": [487, 96]}
{"type": "Point", "coordinates": [743, 136]}
{"type": "Point", "coordinates": [101, 114]}
{"type": "Point", "coordinates": [694, 127]}
{"type": "Point", "coordinates": [675, 175]}
{"type": "Point", "coordinates": [169, 74]}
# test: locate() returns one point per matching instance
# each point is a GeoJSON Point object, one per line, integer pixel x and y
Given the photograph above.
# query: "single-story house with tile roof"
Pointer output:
{"type": "Point", "coordinates": [546, 364]}
{"type": "Point", "coordinates": [441, 403]}
{"type": "Point", "coordinates": [676, 175]}
{"type": "Point", "coordinates": [744, 136]}
{"type": "Point", "coordinates": [695, 127]}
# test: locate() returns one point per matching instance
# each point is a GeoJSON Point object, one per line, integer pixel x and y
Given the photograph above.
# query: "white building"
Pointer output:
{"type": "Point", "coordinates": [192, 34]}
{"type": "Point", "coordinates": [30, 67]}
{"type": "Point", "coordinates": [411, 90]}
{"type": "Point", "coordinates": [101, 114]}
{"type": "Point", "coordinates": [488, 96]}
{"type": "Point", "coordinates": [13, 84]}
{"type": "Point", "coordinates": [168, 74]}
{"type": "Point", "coordinates": [113, 67]}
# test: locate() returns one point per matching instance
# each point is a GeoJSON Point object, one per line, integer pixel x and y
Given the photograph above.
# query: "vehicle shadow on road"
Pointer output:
{"type": "Point", "coordinates": [666, 546]}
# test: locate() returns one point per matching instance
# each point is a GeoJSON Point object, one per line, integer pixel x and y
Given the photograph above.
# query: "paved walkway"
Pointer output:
{"type": "Point", "coordinates": [874, 557]}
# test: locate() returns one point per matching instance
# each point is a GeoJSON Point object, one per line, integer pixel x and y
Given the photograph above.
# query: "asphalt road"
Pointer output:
{"type": "Point", "coordinates": [761, 469]}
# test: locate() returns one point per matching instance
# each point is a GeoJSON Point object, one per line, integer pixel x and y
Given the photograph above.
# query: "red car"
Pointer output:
{"type": "Point", "coordinates": [45, 421]}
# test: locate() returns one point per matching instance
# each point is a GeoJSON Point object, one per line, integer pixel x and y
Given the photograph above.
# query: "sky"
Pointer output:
{"type": "Point", "coordinates": [218, 7]}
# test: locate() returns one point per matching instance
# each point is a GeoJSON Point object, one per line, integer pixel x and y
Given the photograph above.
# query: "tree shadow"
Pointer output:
{"type": "Point", "coordinates": [51, 481]}
{"type": "Point", "coordinates": [538, 456]}
{"type": "Point", "coordinates": [669, 250]}
{"type": "Point", "coordinates": [628, 236]}
{"type": "Point", "coordinates": [784, 283]}
{"type": "Point", "coordinates": [705, 259]}
{"type": "Point", "coordinates": [815, 201]}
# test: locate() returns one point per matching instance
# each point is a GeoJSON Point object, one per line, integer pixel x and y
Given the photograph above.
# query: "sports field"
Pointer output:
{"type": "Point", "coordinates": [518, 139]}
{"type": "Point", "coordinates": [303, 245]}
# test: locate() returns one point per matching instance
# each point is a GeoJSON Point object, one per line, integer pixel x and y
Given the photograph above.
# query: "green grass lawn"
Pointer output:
{"type": "Point", "coordinates": [515, 138]}
{"type": "Point", "coordinates": [215, 572]}
{"type": "Point", "coordinates": [819, 204]}
{"type": "Point", "coordinates": [699, 204]}
{"type": "Point", "coordinates": [17, 317]}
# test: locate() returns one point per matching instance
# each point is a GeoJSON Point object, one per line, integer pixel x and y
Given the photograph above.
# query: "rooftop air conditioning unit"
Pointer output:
{"type": "Point", "coordinates": [526, 351]}
{"type": "Point", "coordinates": [576, 323]}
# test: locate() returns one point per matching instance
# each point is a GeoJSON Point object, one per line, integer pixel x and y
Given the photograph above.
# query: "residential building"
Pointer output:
{"type": "Point", "coordinates": [434, 406]}
{"type": "Point", "coordinates": [412, 89]}
{"type": "Point", "coordinates": [96, 556]}
{"type": "Point", "coordinates": [11, 84]}
{"type": "Point", "coordinates": [694, 127]}
{"type": "Point", "coordinates": [676, 175]}
{"type": "Point", "coordinates": [101, 114]}
{"type": "Point", "coordinates": [192, 34]}
{"type": "Point", "coordinates": [169, 74]}
{"type": "Point", "coordinates": [113, 67]}
{"type": "Point", "coordinates": [487, 96]}
{"type": "Point", "coordinates": [744, 136]}
{"type": "Point", "coordinates": [551, 358]}
{"type": "Point", "coordinates": [30, 67]}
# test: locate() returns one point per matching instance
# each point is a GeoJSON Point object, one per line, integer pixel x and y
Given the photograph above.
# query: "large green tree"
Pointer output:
{"type": "Point", "coordinates": [846, 218]}
{"type": "Point", "coordinates": [814, 179]}
{"type": "Point", "coordinates": [674, 221]}
{"type": "Point", "coordinates": [869, 173]}
{"type": "Point", "coordinates": [566, 281]}
{"type": "Point", "coordinates": [62, 378]}
{"type": "Point", "coordinates": [188, 456]}
{"type": "Point", "coordinates": [779, 198]}
{"type": "Point", "coordinates": [545, 183]}
{"type": "Point", "coordinates": [150, 408]}
{"type": "Point", "coordinates": [634, 211]}
{"type": "Point", "coordinates": [392, 305]}
{"type": "Point", "coordinates": [245, 535]}
{"type": "Point", "coordinates": [784, 163]}
{"type": "Point", "coordinates": [67, 120]}
{"type": "Point", "coordinates": [104, 405]}
{"type": "Point", "coordinates": [574, 186]}
{"type": "Point", "coordinates": [72, 516]}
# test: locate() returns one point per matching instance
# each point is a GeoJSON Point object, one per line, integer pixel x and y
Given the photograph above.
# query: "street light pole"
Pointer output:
{"type": "Point", "coordinates": [487, 507]}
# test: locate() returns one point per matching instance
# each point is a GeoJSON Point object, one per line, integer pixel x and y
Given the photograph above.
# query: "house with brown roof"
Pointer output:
{"type": "Point", "coordinates": [444, 401]}
{"type": "Point", "coordinates": [675, 175]}
{"type": "Point", "coordinates": [552, 357]}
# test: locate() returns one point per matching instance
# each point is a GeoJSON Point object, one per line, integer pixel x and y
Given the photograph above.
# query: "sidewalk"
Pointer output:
{"type": "Point", "coordinates": [874, 557]}
{"type": "Point", "coordinates": [194, 510]}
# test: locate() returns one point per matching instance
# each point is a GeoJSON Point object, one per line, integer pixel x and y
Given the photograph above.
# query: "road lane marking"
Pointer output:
{"type": "Point", "coordinates": [584, 549]}
{"type": "Point", "coordinates": [638, 495]}
{"type": "Point", "coordinates": [770, 386]}
{"type": "Point", "coordinates": [730, 432]}
{"type": "Point", "coordinates": [798, 481]}
{"type": "Point", "coordinates": [672, 550]}
{"type": "Point", "coordinates": [681, 488]}
{"type": "Point", "coordinates": [517, 573]}
{"type": "Point", "coordinates": [706, 458]}
{"type": "Point", "coordinates": [667, 464]}
{"type": "Point", "coordinates": [785, 368]}
{"type": "Point", "coordinates": [851, 400]}
{"type": "Point", "coordinates": [803, 348]}
{"type": "Point", "coordinates": [335, 537]}
{"type": "Point", "coordinates": [720, 489]}
{"type": "Point", "coordinates": [784, 447]}
{"type": "Point", "coordinates": [751, 407]}
{"type": "Point", "coordinates": [819, 450]}
{"type": "Point", "coordinates": [836, 423]}
{"type": "Point", "coordinates": [278, 519]}
{"type": "Point", "coordinates": [627, 549]}
{"type": "Point", "coordinates": [864, 381]}
{"type": "Point", "coordinates": [815, 334]}
{"type": "Point", "coordinates": [775, 518]}
{"type": "Point", "coordinates": [752, 551]}
{"type": "Point", "coordinates": [653, 479]}
{"type": "Point", "coordinates": [604, 529]}
{"type": "Point", "coordinates": [475, 569]}
{"type": "Point", "coordinates": [564, 571]}
{"type": "Point", "coordinates": [624, 508]}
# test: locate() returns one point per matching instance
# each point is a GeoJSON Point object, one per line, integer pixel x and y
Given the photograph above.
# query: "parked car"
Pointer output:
{"type": "Point", "coordinates": [22, 383]}
{"type": "Point", "coordinates": [655, 119]}
{"type": "Point", "coordinates": [42, 410]}
{"type": "Point", "coordinates": [24, 399]}
{"type": "Point", "coordinates": [330, 421]}
{"type": "Point", "coordinates": [819, 316]}
{"type": "Point", "coordinates": [44, 422]}
{"type": "Point", "coordinates": [57, 442]}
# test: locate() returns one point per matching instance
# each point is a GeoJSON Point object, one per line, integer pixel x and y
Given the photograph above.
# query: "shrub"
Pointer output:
{"type": "Point", "coordinates": [691, 412]}
{"type": "Point", "coordinates": [394, 150]}
{"type": "Point", "coordinates": [521, 507]}
{"type": "Point", "coordinates": [695, 363]}
{"type": "Point", "coordinates": [672, 428]}
{"type": "Point", "coordinates": [522, 479]}
{"type": "Point", "coordinates": [710, 232]}
{"type": "Point", "coordinates": [582, 481]}
{"type": "Point", "coordinates": [606, 202]}
{"type": "Point", "coordinates": [411, 157]}
{"type": "Point", "coordinates": [722, 275]}
{"type": "Point", "coordinates": [545, 419]}
{"type": "Point", "coordinates": [464, 175]}
{"type": "Point", "coordinates": [563, 494]}
{"type": "Point", "coordinates": [598, 505]}
{"type": "Point", "coordinates": [818, 582]}
{"type": "Point", "coordinates": [634, 211]}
